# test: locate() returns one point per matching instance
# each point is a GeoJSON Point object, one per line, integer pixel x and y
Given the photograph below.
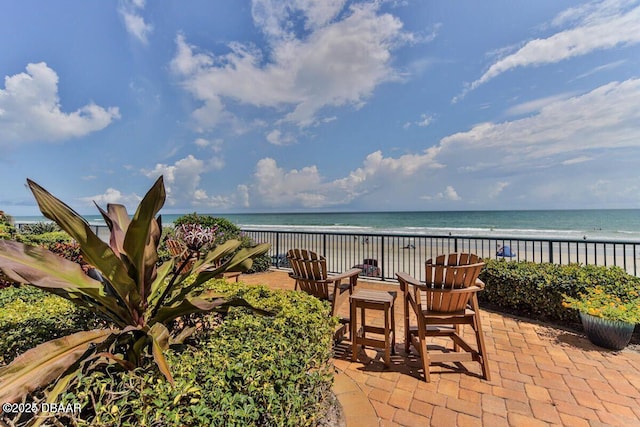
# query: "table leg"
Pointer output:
{"type": "Point", "coordinates": [354, 331]}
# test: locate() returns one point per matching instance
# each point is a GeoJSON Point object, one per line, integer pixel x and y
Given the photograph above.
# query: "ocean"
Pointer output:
{"type": "Point", "coordinates": [609, 225]}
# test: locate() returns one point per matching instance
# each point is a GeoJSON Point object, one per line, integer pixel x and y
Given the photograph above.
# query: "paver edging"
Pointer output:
{"type": "Point", "coordinates": [356, 406]}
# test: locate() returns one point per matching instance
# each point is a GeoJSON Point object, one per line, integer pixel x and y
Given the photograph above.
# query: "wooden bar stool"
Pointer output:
{"type": "Point", "coordinates": [364, 299]}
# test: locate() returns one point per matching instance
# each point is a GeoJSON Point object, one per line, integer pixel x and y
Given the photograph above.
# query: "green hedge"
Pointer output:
{"type": "Point", "coordinates": [249, 370]}
{"type": "Point", "coordinates": [29, 316]}
{"type": "Point", "coordinates": [536, 290]}
{"type": "Point", "coordinates": [45, 239]}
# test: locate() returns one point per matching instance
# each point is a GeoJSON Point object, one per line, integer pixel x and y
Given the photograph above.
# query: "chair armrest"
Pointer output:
{"type": "Point", "coordinates": [479, 283]}
{"type": "Point", "coordinates": [406, 279]}
{"type": "Point", "coordinates": [347, 274]}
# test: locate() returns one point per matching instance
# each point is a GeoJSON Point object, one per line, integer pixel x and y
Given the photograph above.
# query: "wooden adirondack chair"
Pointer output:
{"type": "Point", "coordinates": [442, 305]}
{"type": "Point", "coordinates": [310, 275]}
{"type": "Point", "coordinates": [179, 251]}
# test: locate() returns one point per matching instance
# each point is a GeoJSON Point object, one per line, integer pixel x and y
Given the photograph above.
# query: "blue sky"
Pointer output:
{"type": "Point", "coordinates": [321, 105]}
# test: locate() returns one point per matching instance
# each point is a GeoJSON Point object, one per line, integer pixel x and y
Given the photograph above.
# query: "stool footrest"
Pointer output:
{"type": "Point", "coordinates": [373, 329]}
{"type": "Point", "coordinates": [372, 342]}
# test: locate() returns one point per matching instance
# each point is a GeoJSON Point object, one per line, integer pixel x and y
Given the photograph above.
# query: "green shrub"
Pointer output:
{"type": "Point", "coordinates": [5, 218]}
{"type": "Point", "coordinates": [536, 289]}
{"type": "Point", "coordinates": [28, 294]}
{"type": "Point", "coordinates": [261, 263]}
{"type": "Point", "coordinates": [68, 250]}
{"type": "Point", "coordinates": [30, 316]}
{"type": "Point", "coordinates": [7, 230]}
{"type": "Point", "coordinates": [599, 303]}
{"type": "Point", "coordinates": [39, 228]}
{"type": "Point", "coordinates": [45, 240]}
{"type": "Point", "coordinates": [250, 370]}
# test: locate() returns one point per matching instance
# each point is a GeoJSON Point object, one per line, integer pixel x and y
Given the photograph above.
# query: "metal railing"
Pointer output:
{"type": "Point", "coordinates": [388, 254]}
{"type": "Point", "coordinates": [383, 255]}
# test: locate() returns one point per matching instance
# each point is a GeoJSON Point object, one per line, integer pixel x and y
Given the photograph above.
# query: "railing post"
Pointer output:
{"type": "Point", "coordinates": [277, 249]}
{"type": "Point", "coordinates": [324, 244]}
{"type": "Point", "coordinates": [455, 245]}
{"type": "Point", "coordinates": [382, 273]}
{"type": "Point", "coordinates": [550, 251]}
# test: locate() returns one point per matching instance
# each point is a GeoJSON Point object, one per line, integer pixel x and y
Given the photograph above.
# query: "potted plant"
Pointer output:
{"type": "Point", "coordinates": [608, 319]}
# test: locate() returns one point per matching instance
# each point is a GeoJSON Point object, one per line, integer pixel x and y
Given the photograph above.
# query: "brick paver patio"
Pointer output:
{"type": "Point", "coordinates": [540, 376]}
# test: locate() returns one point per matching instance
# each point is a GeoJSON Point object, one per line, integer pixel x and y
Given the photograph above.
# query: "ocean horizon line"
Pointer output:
{"type": "Point", "coordinates": [600, 224]}
{"type": "Point", "coordinates": [357, 212]}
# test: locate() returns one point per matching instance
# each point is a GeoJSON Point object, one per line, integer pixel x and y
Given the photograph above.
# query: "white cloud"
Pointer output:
{"type": "Point", "coordinates": [186, 62]}
{"type": "Point", "coordinates": [537, 104]}
{"type": "Point", "coordinates": [596, 26]}
{"type": "Point", "coordinates": [181, 179]}
{"type": "Point", "coordinates": [215, 145]}
{"type": "Point", "coordinates": [605, 67]}
{"type": "Point", "coordinates": [425, 120]}
{"type": "Point", "coordinates": [133, 21]}
{"type": "Point", "coordinates": [182, 182]}
{"type": "Point", "coordinates": [215, 163]}
{"type": "Point", "coordinates": [576, 160]}
{"type": "Point", "coordinates": [449, 193]}
{"type": "Point", "coordinates": [609, 192]}
{"type": "Point", "coordinates": [276, 137]}
{"type": "Point", "coordinates": [531, 151]}
{"type": "Point", "coordinates": [113, 196]}
{"type": "Point", "coordinates": [608, 117]}
{"type": "Point", "coordinates": [30, 110]}
{"type": "Point", "coordinates": [497, 189]}
{"type": "Point", "coordinates": [273, 16]}
{"type": "Point", "coordinates": [342, 57]}
{"type": "Point", "coordinates": [276, 187]}
{"type": "Point", "coordinates": [201, 198]}
{"type": "Point", "coordinates": [243, 196]}
{"type": "Point", "coordinates": [201, 142]}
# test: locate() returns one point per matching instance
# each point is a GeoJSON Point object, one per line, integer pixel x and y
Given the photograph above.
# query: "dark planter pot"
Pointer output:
{"type": "Point", "coordinates": [611, 334]}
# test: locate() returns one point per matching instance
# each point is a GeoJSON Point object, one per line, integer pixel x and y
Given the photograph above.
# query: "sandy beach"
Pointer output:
{"type": "Point", "coordinates": [398, 253]}
{"type": "Point", "coordinates": [408, 254]}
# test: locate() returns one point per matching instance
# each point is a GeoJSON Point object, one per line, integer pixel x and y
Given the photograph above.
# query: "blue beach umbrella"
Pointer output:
{"type": "Point", "coordinates": [506, 252]}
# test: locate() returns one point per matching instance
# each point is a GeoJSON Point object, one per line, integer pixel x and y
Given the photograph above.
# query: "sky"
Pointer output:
{"type": "Point", "coordinates": [321, 105]}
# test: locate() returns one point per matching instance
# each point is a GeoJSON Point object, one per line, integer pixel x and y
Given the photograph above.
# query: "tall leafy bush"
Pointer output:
{"type": "Point", "coordinates": [537, 290]}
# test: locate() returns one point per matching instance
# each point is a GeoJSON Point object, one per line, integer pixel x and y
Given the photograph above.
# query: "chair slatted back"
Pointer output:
{"type": "Point", "coordinates": [176, 248]}
{"type": "Point", "coordinates": [449, 282]}
{"type": "Point", "coordinates": [310, 272]}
